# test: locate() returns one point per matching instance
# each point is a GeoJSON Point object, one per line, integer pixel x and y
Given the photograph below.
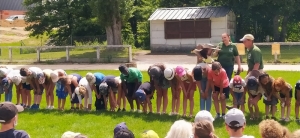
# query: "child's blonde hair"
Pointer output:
{"type": "Point", "coordinates": [204, 129]}
{"type": "Point", "coordinates": [272, 129]}
{"type": "Point", "coordinates": [82, 90]}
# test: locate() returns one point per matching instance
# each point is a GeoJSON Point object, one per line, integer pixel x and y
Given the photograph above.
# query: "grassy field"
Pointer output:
{"type": "Point", "coordinates": [52, 124]}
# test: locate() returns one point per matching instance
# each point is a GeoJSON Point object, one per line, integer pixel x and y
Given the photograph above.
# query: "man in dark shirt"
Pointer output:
{"type": "Point", "coordinates": [8, 120]}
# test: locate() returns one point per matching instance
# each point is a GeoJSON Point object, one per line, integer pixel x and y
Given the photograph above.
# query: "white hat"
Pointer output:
{"type": "Point", "coordinates": [118, 79]}
{"type": "Point", "coordinates": [90, 77]}
{"type": "Point", "coordinates": [70, 134]}
{"type": "Point", "coordinates": [204, 115]}
{"type": "Point", "coordinates": [54, 76]}
{"type": "Point", "coordinates": [247, 37]}
{"type": "Point", "coordinates": [3, 72]}
{"type": "Point", "coordinates": [16, 79]}
{"type": "Point", "coordinates": [169, 73]}
{"type": "Point", "coordinates": [235, 118]}
{"type": "Point", "coordinates": [202, 65]}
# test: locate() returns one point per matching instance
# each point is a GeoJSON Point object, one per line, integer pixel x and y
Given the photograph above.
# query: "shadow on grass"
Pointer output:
{"type": "Point", "coordinates": [146, 117]}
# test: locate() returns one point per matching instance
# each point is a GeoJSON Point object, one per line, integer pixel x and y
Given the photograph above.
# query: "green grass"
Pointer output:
{"type": "Point", "coordinates": [52, 124]}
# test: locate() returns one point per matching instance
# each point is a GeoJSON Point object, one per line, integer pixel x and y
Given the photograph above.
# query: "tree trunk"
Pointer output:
{"type": "Point", "coordinates": [276, 34]}
{"type": "Point", "coordinates": [109, 35]}
{"type": "Point", "coordinates": [284, 28]}
{"type": "Point", "coordinates": [117, 30]}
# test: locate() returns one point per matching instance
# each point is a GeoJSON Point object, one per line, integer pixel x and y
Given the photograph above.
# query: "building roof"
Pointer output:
{"type": "Point", "coordinates": [15, 5]}
{"type": "Point", "coordinates": [185, 13]}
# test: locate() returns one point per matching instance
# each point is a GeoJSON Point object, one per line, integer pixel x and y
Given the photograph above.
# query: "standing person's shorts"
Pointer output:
{"type": "Point", "coordinates": [238, 96]}
{"type": "Point", "coordinates": [296, 94]}
{"type": "Point", "coordinates": [61, 94]}
{"type": "Point", "coordinates": [225, 90]}
{"type": "Point", "coordinates": [193, 87]}
{"type": "Point", "coordinates": [75, 100]}
{"type": "Point", "coordinates": [283, 96]}
{"type": "Point", "coordinates": [274, 101]}
{"type": "Point", "coordinates": [99, 104]}
{"type": "Point", "coordinates": [130, 89]}
{"type": "Point", "coordinates": [26, 86]}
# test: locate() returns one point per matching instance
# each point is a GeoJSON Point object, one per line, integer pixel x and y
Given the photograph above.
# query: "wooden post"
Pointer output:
{"type": "Point", "coordinates": [10, 54]}
{"type": "Point", "coordinates": [129, 54]}
{"type": "Point", "coordinates": [98, 53]}
{"type": "Point", "coordinates": [275, 57]}
{"type": "Point", "coordinates": [38, 55]}
{"type": "Point", "coordinates": [67, 53]}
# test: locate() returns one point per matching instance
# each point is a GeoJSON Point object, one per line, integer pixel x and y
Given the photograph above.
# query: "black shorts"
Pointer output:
{"type": "Point", "coordinates": [197, 73]}
{"type": "Point", "coordinates": [131, 88]}
{"type": "Point", "coordinates": [26, 86]}
{"type": "Point", "coordinates": [225, 90]}
{"type": "Point", "coordinates": [75, 99]}
{"type": "Point", "coordinates": [283, 96]}
{"type": "Point", "coordinates": [296, 93]}
{"type": "Point", "coordinates": [274, 101]}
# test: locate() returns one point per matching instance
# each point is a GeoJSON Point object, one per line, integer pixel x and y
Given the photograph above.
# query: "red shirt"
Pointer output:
{"type": "Point", "coordinates": [218, 79]}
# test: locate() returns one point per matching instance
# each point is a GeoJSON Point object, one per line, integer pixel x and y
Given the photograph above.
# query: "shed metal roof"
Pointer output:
{"type": "Point", "coordinates": [15, 5]}
{"type": "Point", "coordinates": [186, 13]}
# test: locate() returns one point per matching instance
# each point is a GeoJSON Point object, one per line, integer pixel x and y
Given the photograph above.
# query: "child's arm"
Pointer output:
{"type": "Point", "coordinates": [111, 94]}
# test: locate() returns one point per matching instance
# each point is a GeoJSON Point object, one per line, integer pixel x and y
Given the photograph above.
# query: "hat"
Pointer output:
{"type": "Point", "coordinates": [169, 73]}
{"type": "Point", "coordinates": [90, 77]}
{"type": "Point", "coordinates": [252, 83]}
{"type": "Point", "coordinates": [140, 94]}
{"type": "Point", "coordinates": [16, 79]}
{"type": "Point", "coordinates": [247, 37]}
{"type": "Point", "coordinates": [149, 134]}
{"type": "Point", "coordinates": [3, 72]}
{"type": "Point", "coordinates": [54, 76]}
{"type": "Point", "coordinates": [204, 115]}
{"type": "Point", "coordinates": [235, 118]}
{"type": "Point", "coordinates": [210, 46]}
{"type": "Point", "coordinates": [41, 78]}
{"type": "Point", "coordinates": [70, 134]}
{"type": "Point", "coordinates": [122, 68]}
{"type": "Point", "coordinates": [121, 126]}
{"type": "Point", "coordinates": [103, 88]}
{"type": "Point", "coordinates": [8, 111]}
{"type": "Point", "coordinates": [297, 86]}
{"type": "Point", "coordinates": [237, 80]}
{"type": "Point", "coordinates": [180, 71]}
{"type": "Point", "coordinates": [5, 82]}
{"type": "Point", "coordinates": [155, 72]}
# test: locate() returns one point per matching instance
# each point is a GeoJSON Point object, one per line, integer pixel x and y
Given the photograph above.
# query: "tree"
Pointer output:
{"type": "Point", "coordinates": [67, 17]}
{"type": "Point", "coordinates": [112, 14]}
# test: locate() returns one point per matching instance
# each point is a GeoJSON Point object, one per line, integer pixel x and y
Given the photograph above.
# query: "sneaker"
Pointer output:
{"type": "Point", "coordinates": [298, 120]}
{"type": "Point", "coordinates": [131, 110]}
{"type": "Point", "coordinates": [287, 120]}
{"type": "Point", "coordinates": [123, 109]}
{"type": "Point", "coordinates": [52, 107]}
{"type": "Point", "coordinates": [139, 111]}
{"type": "Point", "coordinates": [217, 116]}
{"type": "Point", "coordinates": [34, 106]}
{"type": "Point", "coordinates": [274, 118]}
{"type": "Point", "coordinates": [48, 107]}
{"type": "Point", "coordinates": [119, 110]}
{"type": "Point", "coordinates": [282, 119]}
{"type": "Point", "coordinates": [267, 117]}
{"type": "Point", "coordinates": [172, 114]}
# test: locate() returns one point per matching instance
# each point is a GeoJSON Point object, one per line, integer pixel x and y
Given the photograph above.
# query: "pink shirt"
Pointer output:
{"type": "Point", "coordinates": [217, 79]}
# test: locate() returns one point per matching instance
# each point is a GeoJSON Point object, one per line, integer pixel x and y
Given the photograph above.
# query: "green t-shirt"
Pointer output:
{"type": "Point", "coordinates": [227, 54]}
{"type": "Point", "coordinates": [133, 74]}
{"type": "Point", "coordinates": [254, 56]}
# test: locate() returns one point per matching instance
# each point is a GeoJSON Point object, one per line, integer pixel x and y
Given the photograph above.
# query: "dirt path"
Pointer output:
{"type": "Point", "coordinates": [8, 35]}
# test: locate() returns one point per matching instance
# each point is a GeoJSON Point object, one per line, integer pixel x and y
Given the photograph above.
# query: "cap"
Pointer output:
{"type": "Point", "coordinates": [70, 134]}
{"type": "Point", "coordinates": [140, 94]}
{"type": "Point", "coordinates": [54, 76]}
{"type": "Point", "coordinates": [169, 73]}
{"type": "Point", "coordinates": [122, 68]}
{"type": "Point", "coordinates": [210, 46]}
{"type": "Point", "coordinates": [8, 111]}
{"type": "Point", "coordinates": [180, 71]}
{"type": "Point", "coordinates": [237, 80]}
{"type": "Point", "coordinates": [252, 83]}
{"type": "Point", "coordinates": [103, 88]}
{"type": "Point", "coordinates": [297, 86]}
{"type": "Point", "coordinates": [16, 79]}
{"type": "Point", "coordinates": [155, 72]}
{"type": "Point", "coordinates": [3, 72]}
{"type": "Point", "coordinates": [247, 37]}
{"type": "Point", "coordinates": [235, 118]}
{"type": "Point", "coordinates": [41, 78]}
{"type": "Point", "coordinates": [90, 77]}
{"type": "Point", "coordinates": [204, 115]}
{"type": "Point", "coordinates": [121, 126]}
{"type": "Point", "coordinates": [5, 82]}
{"type": "Point", "coordinates": [149, 134]}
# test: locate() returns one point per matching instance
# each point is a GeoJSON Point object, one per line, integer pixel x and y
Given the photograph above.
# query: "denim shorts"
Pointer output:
{"type": "Point", "coordinates": [238, 96]}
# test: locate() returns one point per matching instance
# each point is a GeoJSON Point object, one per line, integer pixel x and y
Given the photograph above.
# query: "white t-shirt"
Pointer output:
{"type": "Point", "coordinates": [5, 71]}
{"type": "Point", "coordinates": [237, 88]}
{"type": "Point", "coordinates": [85, 83]}
{"type": "Point", "coordinates": [35, 71]}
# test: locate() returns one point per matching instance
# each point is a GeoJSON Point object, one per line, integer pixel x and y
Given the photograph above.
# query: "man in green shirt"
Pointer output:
{"type": "Point", "coordinates": [131, 80]}
{"type": "Point", "coordinates": [254, 55]}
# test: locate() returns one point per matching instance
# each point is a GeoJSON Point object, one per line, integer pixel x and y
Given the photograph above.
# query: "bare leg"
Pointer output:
{"type": "Point", "coordinates": [216, 102]}
{"type": "Point", "coordinates": [165, 99]}
{"type": "Point", "coordinates": [297, 109]}
{"type": "Point", "coordinates": [63, 104]}
{"type": "Point", "coordinates": [267, 108]}
{"type": "Point", "coordinates": [177, 98]}
{"type": "Point", "coordinates": [28, 97]}
{"type": "Point", "coordinates": [59, 103]}
{"type": "Point", "coordinates": [191, 98]}
{"type": "Point", "coordinates": [184, 104]}
{"type": "Point", "coordinates": [223, 103]}
{"type": "Point", "coordinates": [158, 100]}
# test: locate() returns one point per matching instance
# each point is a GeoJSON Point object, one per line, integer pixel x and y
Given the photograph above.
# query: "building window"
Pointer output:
{"type": "Point", "coordinates": [188, 29]}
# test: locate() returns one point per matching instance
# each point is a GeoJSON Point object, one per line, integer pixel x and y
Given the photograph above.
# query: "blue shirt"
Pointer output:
{"type": "Point", "coordinates": [99, 78]}
{"type": "Point", "coordinates": [12, 133]}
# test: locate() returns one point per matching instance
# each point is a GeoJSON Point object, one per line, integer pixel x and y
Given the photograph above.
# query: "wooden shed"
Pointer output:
{"type": "Point", "coordinates": [180, 29]}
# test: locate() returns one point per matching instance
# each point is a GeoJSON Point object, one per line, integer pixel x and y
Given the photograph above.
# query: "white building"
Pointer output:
{"type": "Point", "coordinates": [180, 29]}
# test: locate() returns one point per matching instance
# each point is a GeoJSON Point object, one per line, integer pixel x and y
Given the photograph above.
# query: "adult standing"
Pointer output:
{"type": "Point", "coordinates": [254, 56]}
{"type": "Point", "coordinates": [227, 54]}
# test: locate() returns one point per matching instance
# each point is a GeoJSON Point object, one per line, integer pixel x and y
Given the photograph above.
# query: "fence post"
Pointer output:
{"type": "Point", "coordinates": [38, 54]}
{"type": "Point", "coordinates": [98, 53]}
{"type": "Point", "coordinates": [67, 53]}
{"type": "Point", "coordinates": [129, 54]}
{"type": "Point", "coordinates": [10, 54]}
